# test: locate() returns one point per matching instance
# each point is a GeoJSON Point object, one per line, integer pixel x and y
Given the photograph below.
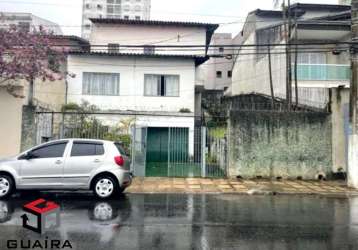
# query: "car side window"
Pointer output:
{"type": "Point", "coordinates": [87, 149]}
{"type": "Point", "coordinates": [120, 148]}
{"type": "Point", "coordinates": [49, 151]}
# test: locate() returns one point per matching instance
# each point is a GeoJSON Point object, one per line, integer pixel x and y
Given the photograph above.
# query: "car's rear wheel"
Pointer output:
{"type": "Point", "coordinates": [6, 186]}
{"type": "Point", "coordinates": [104, 187]}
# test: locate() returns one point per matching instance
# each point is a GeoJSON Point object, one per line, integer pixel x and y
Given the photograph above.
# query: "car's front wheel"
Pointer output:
{"type": "Point", "coordinates": [104, 187]}
{"type": "Point", "coordinates": [6, 186]}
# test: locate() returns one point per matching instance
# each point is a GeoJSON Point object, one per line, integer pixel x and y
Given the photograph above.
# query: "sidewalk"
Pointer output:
{"type": "Point", "coordinates": [198, 185]}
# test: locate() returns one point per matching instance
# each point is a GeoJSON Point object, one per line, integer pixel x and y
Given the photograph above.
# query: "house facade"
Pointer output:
{"type": "Point", "coordinates": [153, 85]}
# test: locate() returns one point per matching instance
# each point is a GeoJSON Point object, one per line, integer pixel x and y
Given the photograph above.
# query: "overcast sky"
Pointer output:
{"type": "Point", "coordinates": [67, 13]}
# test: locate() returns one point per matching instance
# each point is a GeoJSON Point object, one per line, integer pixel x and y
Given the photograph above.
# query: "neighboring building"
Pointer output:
{"type": "Point", "coordinates": [317, 71]}
{"type": "Point", "coordinates": [154, 85]}
{"type": "Point", "coordinates": [323, 71]}
{"type": "Point", "coordinates": [124, 9]}
{"type": "Point", "coordinates": [345, 2]}
{"type": "Point", "coordinates": [19, 126]}
{"type": "Point", "coordinates": [28, 22]}
{"type": "Point", "coordinates": [216, 73]}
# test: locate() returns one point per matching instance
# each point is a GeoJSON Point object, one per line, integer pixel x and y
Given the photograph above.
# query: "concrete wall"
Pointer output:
{"type": "Point", "coordinates": [340, 128]}
{"type": "Point", "coordinates": [272, 144]}
{"type": "Point", "coordinates": [132, 72]}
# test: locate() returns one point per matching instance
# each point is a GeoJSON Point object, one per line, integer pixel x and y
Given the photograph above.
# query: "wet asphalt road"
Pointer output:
{"type": "Point", "coordinates": [160, 221]}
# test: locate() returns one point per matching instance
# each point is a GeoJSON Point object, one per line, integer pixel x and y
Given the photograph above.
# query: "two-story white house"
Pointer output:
{"type": "Point", "coordinates": [154, 85]}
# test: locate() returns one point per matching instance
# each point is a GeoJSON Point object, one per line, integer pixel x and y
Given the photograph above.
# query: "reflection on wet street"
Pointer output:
{"type": "Point", "coordinates": [188, 221]}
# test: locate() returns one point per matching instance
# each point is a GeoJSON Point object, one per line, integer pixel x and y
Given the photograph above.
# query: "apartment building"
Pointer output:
{"type": "Point", "coordinates": [124, 9]}
{"type": "Point", "coordinates": [348, 2]}
{"type": "Point", "coordinates": [28, 22]}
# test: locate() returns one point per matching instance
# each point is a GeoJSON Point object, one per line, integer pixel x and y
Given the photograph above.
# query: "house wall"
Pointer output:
{"type": "Point", "coordinates": [251, 72]}
{"type": "Point", "coordinates": [19, 119]}
{"type": "Point", "coordinates": [103, 34]}
{"type": "Point", "coordinates": [10, 127]}
{"type": "Point", "coordinates": [279, 144]}
{"type": "Point", "coordinates": [132, 72]}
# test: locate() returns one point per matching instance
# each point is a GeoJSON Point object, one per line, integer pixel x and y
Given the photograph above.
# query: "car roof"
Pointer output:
{"type": "Point", "coordinates": [76, 139]}
{"type": "Point", "coordinates": [84, 140]}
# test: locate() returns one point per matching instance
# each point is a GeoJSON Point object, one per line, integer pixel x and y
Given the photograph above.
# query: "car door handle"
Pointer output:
{"type": "Point", "coordinates": [97, 160]}
{"type": "Point", "coordinates": [58, 162]}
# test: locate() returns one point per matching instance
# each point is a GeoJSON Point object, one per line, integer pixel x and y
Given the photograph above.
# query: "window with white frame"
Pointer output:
{"type": "Point", "coordinates": [161, 85]}
{"type": "Point", "coordinates": [94, 83]}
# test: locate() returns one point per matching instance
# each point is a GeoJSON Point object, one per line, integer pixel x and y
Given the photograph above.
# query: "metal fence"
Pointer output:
{"type": "Point", "coordinates": [155, 151]}
{"type": "Point", "coordinates": [178, 152]}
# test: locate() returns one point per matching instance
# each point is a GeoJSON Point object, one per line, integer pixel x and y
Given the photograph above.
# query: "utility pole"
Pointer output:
{"type": "Point", "coordinates": [289, 58]}
{"type": "Point", "coordinates": [270, 75]}
{"type": "Point", "coordinates": [287, 25]}
{"type": "Point", "coordinates": [296, 58]}
{"type": "Point", "coordinates": [353, 138]}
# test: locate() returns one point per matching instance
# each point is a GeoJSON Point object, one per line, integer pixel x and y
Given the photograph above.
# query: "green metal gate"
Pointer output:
{"type": "Point", "coordinates": [179, 152]}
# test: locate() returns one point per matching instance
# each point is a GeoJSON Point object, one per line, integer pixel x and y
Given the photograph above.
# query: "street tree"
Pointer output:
{"type": "Point", "coordinates": [28, 55]}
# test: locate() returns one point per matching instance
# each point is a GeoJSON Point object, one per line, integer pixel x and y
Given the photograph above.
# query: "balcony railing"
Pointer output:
{"type": "Point", "coordinates": [323, 72]}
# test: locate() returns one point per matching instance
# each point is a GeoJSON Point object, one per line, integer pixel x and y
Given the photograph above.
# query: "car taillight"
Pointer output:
{"type": "Point", "coordinates": [119, 160]}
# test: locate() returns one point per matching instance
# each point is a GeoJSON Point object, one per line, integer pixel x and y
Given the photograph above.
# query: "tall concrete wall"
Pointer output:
{"type": "Point", "coordinates": [28, 135]}
{"type": "Point", "coordinates": [340, 128]}
{"type": "Point", "coordinates": [273, 143]}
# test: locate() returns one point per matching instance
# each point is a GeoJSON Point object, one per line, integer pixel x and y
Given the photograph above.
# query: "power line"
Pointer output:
{"type": "Point", "coordinates": [231, 46]}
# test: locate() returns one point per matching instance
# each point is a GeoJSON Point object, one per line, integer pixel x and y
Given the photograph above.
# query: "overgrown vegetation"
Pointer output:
{"type": "Point", "coordinates": [81, 121]}
{"type": "Point", "coordinates": [218, 132]}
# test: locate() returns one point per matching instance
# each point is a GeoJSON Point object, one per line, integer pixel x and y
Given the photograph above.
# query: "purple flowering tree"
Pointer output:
{"type": "Point", "coordinates": [28, 56]}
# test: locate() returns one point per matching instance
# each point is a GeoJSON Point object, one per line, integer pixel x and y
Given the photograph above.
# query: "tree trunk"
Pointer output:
{"type": "Point", "coordinates": [31, 92]}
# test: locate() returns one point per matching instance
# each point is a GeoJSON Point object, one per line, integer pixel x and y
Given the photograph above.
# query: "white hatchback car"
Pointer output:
{"type": "Point", "coordinates": [69, 164]}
